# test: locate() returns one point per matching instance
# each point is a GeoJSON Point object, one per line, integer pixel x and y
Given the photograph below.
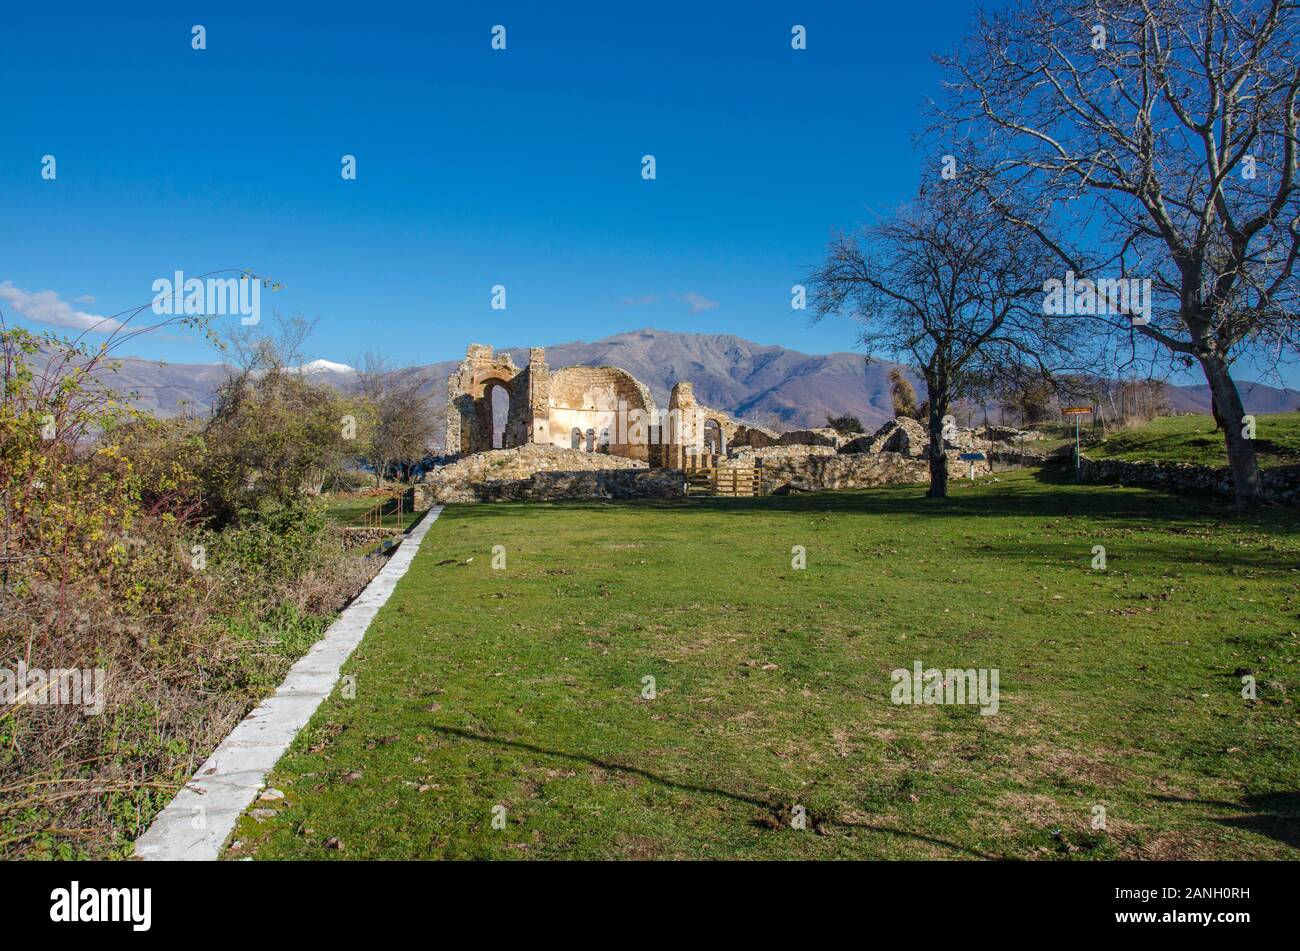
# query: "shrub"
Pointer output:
{"type": "Point", "coordinates": [272, 436]}
{"type": "Point", "coordinates": [111, 562]}
{"type": "Point", "coordinates": [903, 394]}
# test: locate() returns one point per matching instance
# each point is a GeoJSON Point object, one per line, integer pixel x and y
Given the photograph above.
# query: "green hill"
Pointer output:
{"type": "Point", "coordinates": [1193, 439]}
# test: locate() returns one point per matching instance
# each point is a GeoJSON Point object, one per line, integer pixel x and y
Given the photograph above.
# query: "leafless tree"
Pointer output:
{"type": "Point", "coordinates": [948, 287]}
{"type": "Point", "coordinates": [277, 345]}
{"type": "Point", "coordinates": [399, 427]}
{"type": "Point", "coordinates": [1153, 139]}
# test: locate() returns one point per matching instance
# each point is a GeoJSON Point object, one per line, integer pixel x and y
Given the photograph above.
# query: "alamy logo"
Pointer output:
{"type": "Point", "coordinates": [214, 297]}
{"type": "Point", "coordinates": [663, 427]}
{"type": "Point", "coordinates": [103, 904]}
{"type": "Point", "coordinates": [1128, 296]}
{"type": "Point", "coordinates": [35, 686]}
{"type": "Point", "coordinates": [952, 686]}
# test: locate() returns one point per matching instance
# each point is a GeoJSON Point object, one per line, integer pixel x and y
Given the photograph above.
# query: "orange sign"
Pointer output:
{"type": "Point", "coordinates": [1075, 410]}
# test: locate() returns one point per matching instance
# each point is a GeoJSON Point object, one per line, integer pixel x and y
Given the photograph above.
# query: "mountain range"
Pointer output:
{"type": "Point", "coordinates": [764, 384]}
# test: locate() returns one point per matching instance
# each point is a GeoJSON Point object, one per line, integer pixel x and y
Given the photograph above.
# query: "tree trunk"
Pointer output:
{"type": "Point", "coordinates": [1246, 482]}
{"type": "Point", "coordinates": [938, 457]}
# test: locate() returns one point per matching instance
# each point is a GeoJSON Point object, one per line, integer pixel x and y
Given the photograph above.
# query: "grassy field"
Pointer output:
{"type": "Point", "coordinates": [522, 688]}
{"type": "Point", "coordinates": [1193, 439]}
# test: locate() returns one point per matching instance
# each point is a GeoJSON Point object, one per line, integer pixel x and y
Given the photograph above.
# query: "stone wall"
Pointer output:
{"type": "Point", "coordinates": [748, 455]}
{"type": "Point", "coordinates": [815, 473]}
{"type": "Point", "coordinates": [607, 484]}
{"type": "Point", "coordinates": [755, 436]}
{"type": "Point", "coordinates": [1281, 484]}
{"type": "Point", "coordinates": [1014, 458]}
{"type": "Point", "coordinates": [907, 436]}
{"type": "Point", "coordinates": [811, 437]}
{"type": "Point", "coordinates": [352, 537]}
{"type": "Point", "coordinates": [469, 401]}
{"type": "Point", "coordinates": [588, 400]}
{"type": "Point", "coordinates": [463, 479]}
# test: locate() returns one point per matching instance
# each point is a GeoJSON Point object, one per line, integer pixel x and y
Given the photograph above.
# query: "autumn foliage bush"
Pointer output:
{"type": "Point", "coordinates": [181, 556]}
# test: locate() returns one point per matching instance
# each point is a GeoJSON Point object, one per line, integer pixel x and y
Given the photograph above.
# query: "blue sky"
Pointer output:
{"type": "Point", "coordinates": [474, 167]}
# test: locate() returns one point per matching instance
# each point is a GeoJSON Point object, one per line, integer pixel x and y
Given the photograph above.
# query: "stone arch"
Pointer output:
{"type": "Point", "coordinates": [497, 411]}
{"type": "Point", "coordinates": [714, 440]}
{"type": "Point", "coordinates": [469, 402]}
{"type": "Point", "coordinates": [575, 438]}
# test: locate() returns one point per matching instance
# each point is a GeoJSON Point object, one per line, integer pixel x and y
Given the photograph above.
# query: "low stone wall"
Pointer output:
{"type": "Point", "coordinates": [365, 537]}
{"type": "Point", "coordinates": [549, 486]}
{"type": "Point", "coordinates": [1011, 458]}
{"type": "Point", "coordinates": [815, 473]}
{"type": "Point", "coordinates": [465, 479]}
{"type": "Point", "coordinates": [748, 455]}
{"type": "Point", "coordinates": [1281, 484]}
{"type": "Point", "coordinates": [526, 474]}
{"type": "Point", "coordinates": [811, 437]}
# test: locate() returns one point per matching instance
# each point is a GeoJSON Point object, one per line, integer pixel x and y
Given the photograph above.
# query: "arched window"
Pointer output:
{"type": "Point", "coordinates": [712, 436]}
{"type": "Point", "coordinates": [498, 398]}
{"type": "Point", "coordinates": [602, 444]}
{"type": "Point", "coordinates": [575, 440]}
{"type": "Point", "coordinates": [591, 440]}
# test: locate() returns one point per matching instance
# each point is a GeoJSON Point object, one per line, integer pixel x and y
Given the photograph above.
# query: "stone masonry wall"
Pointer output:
{"type": "Point", "coordinates": [815, 468]}
{"type": "Point", "coordinates": [537, 471]}
{"type": "Point", "coordinates": [606, 484]}
{"type": "Point", "coordinates": [589, 399]}
{"type": "Point", "coordinates": [352, 537]}
{"type": "Point", "coordinates": [1280, 484]}
{"type": "Point", "coordinates": [814, 473]}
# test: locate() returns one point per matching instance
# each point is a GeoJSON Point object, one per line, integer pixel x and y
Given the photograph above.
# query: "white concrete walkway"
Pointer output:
{"type": "Point", "coordinates": [195, 825]}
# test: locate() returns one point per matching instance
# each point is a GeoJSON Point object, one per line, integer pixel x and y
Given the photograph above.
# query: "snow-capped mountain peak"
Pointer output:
{"type": "Point", "coordinates": [325, 366]}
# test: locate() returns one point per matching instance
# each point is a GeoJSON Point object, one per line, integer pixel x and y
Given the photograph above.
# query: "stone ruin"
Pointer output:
{"type": "Point", "coordinates": [590, 409]}
{"type": "Point", "coordinates": [582, 432]}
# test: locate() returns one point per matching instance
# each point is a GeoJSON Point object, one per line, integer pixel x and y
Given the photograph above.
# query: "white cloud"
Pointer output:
{"type": "Point", "coordinates": [697, 301]}
{"type": "Point", "coordinates": [46, 307]}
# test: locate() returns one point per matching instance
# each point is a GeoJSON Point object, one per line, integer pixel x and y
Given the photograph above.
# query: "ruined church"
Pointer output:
{"type": "Point", "coordinates": [595, 409]}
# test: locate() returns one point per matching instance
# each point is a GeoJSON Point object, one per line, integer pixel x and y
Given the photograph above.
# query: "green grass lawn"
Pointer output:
{"type": "Point", "coordinates": [522, 687]}
{"type": "Point", "coordinates": [1193, 439]}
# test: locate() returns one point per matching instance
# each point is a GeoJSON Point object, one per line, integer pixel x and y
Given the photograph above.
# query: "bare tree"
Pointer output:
{"type": "Point", "coordinates": [947, 287]}
{"type": "Point", "coordinates": [399, 426]}
{"type": "Point", "coordinates": [1153, 139]}
{"type": "Point", "coordinates": [259, 347]}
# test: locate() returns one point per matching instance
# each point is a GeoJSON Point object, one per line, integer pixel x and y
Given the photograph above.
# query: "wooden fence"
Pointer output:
{"type": "Point", "coordinates": [725, 480]}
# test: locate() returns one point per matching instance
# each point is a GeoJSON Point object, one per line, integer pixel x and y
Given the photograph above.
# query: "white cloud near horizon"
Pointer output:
{"type": "Point", "coordinates": [47, 307]}
{"type": "Point", "coordinates": [693, 299]}
{"type": "Point", "coordinates": [697, 301]}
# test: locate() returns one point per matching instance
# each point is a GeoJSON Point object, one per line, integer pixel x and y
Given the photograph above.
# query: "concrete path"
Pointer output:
{"type": "Point", "coordinates": [195, 825]}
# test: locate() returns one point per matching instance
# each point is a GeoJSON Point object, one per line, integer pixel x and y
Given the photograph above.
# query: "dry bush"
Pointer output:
{"type": "Point", "coordinates": [110, 564]}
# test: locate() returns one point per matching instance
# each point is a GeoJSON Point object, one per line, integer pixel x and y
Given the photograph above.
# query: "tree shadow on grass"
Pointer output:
{"type": "Point", "coordinates": [768, 807]}
{"type": "Point", "coordinates": [1169, 552]}
{"type": "Point", "coordinates": [1274, 815]}
{"type": "Point", "coordinates": [1015, 497]}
